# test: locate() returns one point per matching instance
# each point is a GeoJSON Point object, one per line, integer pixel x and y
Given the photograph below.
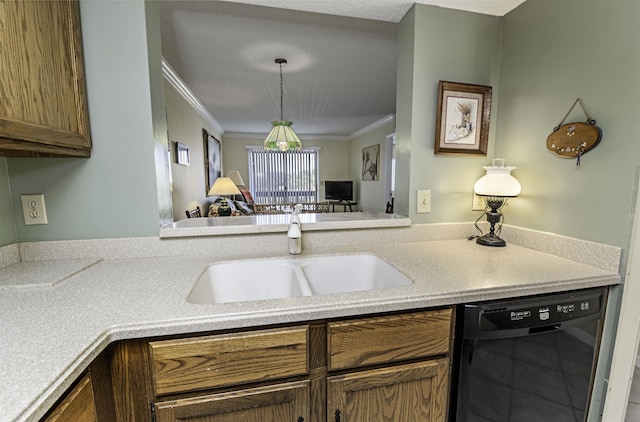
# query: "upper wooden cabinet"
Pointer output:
{"type": "Point", "coordinates": [43, 107]}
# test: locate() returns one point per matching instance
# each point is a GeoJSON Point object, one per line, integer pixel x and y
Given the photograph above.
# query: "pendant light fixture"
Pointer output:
{"type": "Point", "coordinates": [282, 137]}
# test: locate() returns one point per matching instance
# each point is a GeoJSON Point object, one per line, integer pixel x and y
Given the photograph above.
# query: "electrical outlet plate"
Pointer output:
{"type": "Point", "coordinates": [478, 203]}
{"type": "Point", "coordinates": [424, 201]}
{"type": "Point", "coordinates": [33, 209]}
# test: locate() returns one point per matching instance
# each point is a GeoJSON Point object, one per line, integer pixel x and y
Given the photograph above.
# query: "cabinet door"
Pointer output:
{"type": "Point", "coordinates": [77, 406]}
{"type": "Point", "coordinates": [286, 402]}
{"type": "Point", "coordinates": [43, 109]}
{"type": "Point", "coordinates": [404, 393]}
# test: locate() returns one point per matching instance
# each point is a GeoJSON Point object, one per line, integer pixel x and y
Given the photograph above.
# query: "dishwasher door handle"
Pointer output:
{"type": "Point", "coordinates": [544, 329]}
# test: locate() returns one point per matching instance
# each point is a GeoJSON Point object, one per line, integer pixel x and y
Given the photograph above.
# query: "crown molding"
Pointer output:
{"type": "Point", "coordinates": [373, 126]}
{"type": "Point", "coordinates": [176, 81]}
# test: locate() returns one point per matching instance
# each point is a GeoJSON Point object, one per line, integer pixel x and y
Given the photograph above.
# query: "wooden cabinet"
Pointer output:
{"type": "Point", "coordinates": [89, 399]}
{"type": "Point", "coordinates": [416, 391]}
{"type": "Point", "coordinates": [278, 402]}
{"type": "Point", "coordinates": [43, 111]}
{"type": "Point", "coordinates": [77, 406]}
{"type": "Point", "coordinates": [391, 368]}
{"type": "Point", "coordinates": [375, 340]}
{"type": "Point", "coordinates": [403, 393]}
{"type": "Point", "coordinates": [210, 362]}
{"type": "Point", "coordinates": [200, 363]}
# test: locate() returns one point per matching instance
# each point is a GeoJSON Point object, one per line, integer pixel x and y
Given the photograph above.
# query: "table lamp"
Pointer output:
{"type": "Point", "coordinates": [496, 187]}
{"type": "Point", "coordinates": [224, 186]}
{"type": "Point", "coordinates": [235, 176]}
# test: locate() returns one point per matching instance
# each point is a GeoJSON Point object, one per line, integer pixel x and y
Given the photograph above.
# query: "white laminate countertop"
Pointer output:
{"type": "Point", "coordinates": [279, 223]}
{"type": "Point", "coordinates": [49, 334]}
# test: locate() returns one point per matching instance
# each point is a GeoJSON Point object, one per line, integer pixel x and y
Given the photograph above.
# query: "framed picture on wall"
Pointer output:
{"type": "Point", "coordinates": [182, 154]}
{"type": "Point", "coordinates": [370, 162]}
{"type": "Point", "coordinates": [462, 122]}
{"type": "Point", "coordinates": [212, 159]}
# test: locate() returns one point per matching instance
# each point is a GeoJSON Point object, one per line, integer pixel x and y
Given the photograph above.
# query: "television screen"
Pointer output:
{"type": "Point", "coordinates": [338, 190]}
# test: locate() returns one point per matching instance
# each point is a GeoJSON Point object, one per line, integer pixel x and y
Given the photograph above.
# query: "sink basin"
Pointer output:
{"type": "Point", "coordinates": [241, 281]}
{"type": "Point", "coordinates": [350, 273]}
{"type": "Point", "coordinates": [249, 280]}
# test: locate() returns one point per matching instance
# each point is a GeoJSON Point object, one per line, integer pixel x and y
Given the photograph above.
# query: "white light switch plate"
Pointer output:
{"type": "Point", "coordinates": [33, 209]}
{"type": "Point", "coordinates": [424, 201]}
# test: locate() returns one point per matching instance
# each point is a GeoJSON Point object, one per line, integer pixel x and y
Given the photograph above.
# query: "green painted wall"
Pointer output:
{"type": "Point", "coordinates": [112, 194]}
{"type": "Point", "coordinates": [185, 126]}
{"type": "Point", "coordinates": [554, 52]}
{"type": "Point", "coordinates": [440, 44]}
{"type": "Point", "coordinates": [368, 193]}
{"type": "Point", "coordinates": [7, 225]}
{"type": "Point", "coordinates": [538, 58]}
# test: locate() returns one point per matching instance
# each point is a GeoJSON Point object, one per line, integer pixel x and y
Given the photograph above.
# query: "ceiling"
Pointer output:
{"type": "Point", "coordinates": [341, 71]}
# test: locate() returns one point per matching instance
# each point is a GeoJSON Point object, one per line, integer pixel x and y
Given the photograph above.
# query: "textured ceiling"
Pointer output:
{"type": "Point", "coordinates": [341, 74]}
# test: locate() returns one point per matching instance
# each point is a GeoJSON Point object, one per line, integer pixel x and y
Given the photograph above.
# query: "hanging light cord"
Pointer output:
{"type": "Point", "coordinates": [281, 62]}
{"type": "Point", "coordinates": [281, 94]}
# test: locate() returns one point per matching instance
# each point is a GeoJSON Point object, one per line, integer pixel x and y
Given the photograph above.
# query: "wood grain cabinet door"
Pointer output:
{"type": "Point", "coordinates": [77, 406]}
{"type": "Point", "coordinates": [415, 392]}
{"type": "Point", "coordinates": [43, 111]}
{"type": "Point", "coordinates": [285, 402]}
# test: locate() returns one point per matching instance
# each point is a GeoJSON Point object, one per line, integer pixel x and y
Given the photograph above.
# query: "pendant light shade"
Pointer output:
{"type": "Point", "coordinates": [282, 137]}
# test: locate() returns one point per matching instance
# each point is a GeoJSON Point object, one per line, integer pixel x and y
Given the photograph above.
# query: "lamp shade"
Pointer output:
{"type": "Point", "coordinates": [282, 137]}
{"type": "Point", "coordinates": [498, 182]}
{"type": "Point", "coordinates": [224, 186]}
{"type": "Point", "coordinates": [234, 175]}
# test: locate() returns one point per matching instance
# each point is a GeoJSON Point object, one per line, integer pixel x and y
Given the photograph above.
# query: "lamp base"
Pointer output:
{"type": "Point", "coordinates": [491, 239]}
{"type": "Point", "coordinates": [224, 211]}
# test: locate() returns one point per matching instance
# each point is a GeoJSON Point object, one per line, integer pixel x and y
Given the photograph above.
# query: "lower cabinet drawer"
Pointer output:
{"type": "Point", "coordinates": [370, 341]}
{"type": "Point", "coordinates": [198, 363]}
{"type": "Point", "coordinates": [276, 402]}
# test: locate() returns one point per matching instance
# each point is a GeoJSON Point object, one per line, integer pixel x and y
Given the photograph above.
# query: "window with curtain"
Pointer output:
{"type": "Point", "coordinates": [283, 177]}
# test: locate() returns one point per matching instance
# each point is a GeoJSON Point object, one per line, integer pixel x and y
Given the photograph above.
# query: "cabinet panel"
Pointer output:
{"type": "Point", "coordinates": [44, 107]}
{"type": "Point", "coordinates": [404, 393]}
{"type": "Point", "coordinates": [275, 403]}
{"type": "Point", "coordinates": [77, 406]}
{"type": "Point", "coordinates": [369, 341]}
{"type": "Point", "coordinates": [230, 359]}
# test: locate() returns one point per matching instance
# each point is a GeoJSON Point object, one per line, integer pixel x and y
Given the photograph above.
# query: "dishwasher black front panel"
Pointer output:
{"type": "Point", "coordinates": [533, 373]}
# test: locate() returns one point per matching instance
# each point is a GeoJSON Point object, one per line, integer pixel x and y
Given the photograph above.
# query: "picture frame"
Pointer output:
{"type": "Point", "coordinates": [182, 154]}
{"type": "Point", "coordinates": [212, 159]}
{"type": "Point", "coordinates": [371, 163]}
{"type": "Point", "coordinates": [462, 121]}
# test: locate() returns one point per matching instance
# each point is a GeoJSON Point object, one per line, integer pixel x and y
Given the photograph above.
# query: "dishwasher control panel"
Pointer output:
{"type": "Point", "coordinates": [535, 313]}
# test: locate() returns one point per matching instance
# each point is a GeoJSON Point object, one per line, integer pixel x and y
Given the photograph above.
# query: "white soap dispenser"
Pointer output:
{"type": "Point", "coordinates": [295, 239]}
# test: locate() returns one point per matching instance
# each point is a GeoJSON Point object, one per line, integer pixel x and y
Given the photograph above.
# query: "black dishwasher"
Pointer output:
{"type": "Point", "coordinates": [528, 359]}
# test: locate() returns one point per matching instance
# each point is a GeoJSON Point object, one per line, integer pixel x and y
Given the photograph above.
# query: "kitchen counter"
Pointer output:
{"type": "Point", "coordinates": [49, 334]}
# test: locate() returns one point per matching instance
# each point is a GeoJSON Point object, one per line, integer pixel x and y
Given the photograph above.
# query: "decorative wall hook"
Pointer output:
{"type": "Point", "coordinates": [574, 139]}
